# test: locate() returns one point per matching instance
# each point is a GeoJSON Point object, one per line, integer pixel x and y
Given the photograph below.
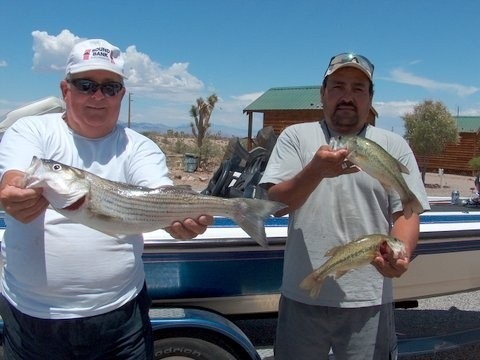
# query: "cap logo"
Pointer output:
{"type": "Point", "coordinates": [86, 54]}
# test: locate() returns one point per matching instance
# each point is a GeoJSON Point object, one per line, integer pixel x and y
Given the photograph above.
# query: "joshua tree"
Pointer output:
{"type": "Point", "coordinates": [201, 113]}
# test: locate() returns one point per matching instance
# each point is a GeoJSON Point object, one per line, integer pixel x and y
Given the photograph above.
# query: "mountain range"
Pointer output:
{"type": "Point", "coordinates": [221, 130]}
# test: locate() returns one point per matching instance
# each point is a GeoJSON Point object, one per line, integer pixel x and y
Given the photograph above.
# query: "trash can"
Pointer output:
{"type": "Point", "coordinates": [455, 197]}
{"type": "Point", "coordinates": [190, 162]}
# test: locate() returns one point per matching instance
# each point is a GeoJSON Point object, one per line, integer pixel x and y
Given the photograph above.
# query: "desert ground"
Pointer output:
{"type": "Point", "coordinates": [443, 186]}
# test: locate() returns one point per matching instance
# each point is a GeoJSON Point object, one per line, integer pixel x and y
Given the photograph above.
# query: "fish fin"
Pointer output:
{"type": "Point", "coordinates": [250, 215]}
{"type": "Point", "coordinates": [402, 168]}
{"type": "Point", "coordinates": [313, 284]}
{"type": "Point", "coordinates": [412, 205]}
{"type": "Point", "coordinates": [340, 273]}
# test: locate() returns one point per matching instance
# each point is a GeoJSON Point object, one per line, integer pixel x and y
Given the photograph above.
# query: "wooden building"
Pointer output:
{"type": "Point", "coordinates": [455, 157]}
{"type": "Point", "coordinates": [283, 106]}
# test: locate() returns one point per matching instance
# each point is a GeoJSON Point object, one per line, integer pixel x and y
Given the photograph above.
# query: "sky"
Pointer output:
{"type": "Point", "coordinates": [179, 50]}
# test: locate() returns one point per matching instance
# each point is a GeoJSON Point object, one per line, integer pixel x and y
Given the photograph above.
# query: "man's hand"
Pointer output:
{"type": "Point", "coordinates": [388, 265]}
{"type": "Point", "coordinates": [22, 204]}
{"type": "Point", "coordinates": [189, 228]}
{"type": "Point", "coordinates": [331, 163]}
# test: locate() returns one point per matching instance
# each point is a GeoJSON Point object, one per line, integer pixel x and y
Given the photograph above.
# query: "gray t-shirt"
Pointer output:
{"type": "Point", "coordinates": [338, 211]}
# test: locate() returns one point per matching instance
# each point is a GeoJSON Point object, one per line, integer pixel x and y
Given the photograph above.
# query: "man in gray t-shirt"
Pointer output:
{"type": "Point", "coordinates": [329, 205]}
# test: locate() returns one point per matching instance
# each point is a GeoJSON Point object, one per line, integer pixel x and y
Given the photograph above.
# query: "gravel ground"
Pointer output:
{"type": "Point", "coordinates": [444, 185]}
{"type": "Point", "coordinates": [441, 316]}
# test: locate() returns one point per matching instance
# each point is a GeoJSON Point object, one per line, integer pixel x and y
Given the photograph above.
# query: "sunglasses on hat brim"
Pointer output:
{"type": "Point", "coordinates": [345, 58]}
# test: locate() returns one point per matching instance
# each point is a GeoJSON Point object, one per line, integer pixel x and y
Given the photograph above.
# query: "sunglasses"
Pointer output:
{"type": "Point", "coordinates": [89, 87]}
{"type": "Point", "coordinates": [352, 58]}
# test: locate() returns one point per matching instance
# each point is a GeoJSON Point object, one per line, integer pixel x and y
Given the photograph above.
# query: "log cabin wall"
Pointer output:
{"type": "Point", "coordinates": [455, 157]}
{"type": "Point", "coordinates": [280, 119]}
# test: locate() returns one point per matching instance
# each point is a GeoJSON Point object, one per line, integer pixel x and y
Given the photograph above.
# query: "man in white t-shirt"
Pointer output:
{"type": "Point", "coordinates": [330, 204]}
{"type": "Point", "coordinates": [71, 292]}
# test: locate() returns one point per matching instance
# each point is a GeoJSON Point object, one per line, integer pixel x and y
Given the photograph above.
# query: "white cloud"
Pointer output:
{"type": "Point", "coordinates": [230, 111]}
{"type": "Point", "coordinates": [470, 112]}
{"type": "Point", "coordinates": [403, 77]}
{"type": "Point", "coordinates": [50, 52]}
{"type": "Point", "coordinates": [3, 63]}
{"type": "Point", "coordinates": [150, 78]}
{"type": "Point", "coordinates": [394, 108]}
{"type": "Point", "coordinates": [145, 76]}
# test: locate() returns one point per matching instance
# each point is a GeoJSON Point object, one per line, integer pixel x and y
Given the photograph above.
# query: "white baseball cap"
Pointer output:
{"type": "Point", "coordinates": [95, 54]}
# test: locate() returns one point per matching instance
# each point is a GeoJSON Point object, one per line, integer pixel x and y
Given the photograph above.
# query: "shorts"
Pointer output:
{"type": "Point", "coordinates": [124, 333]}
{"type": "Point", "coordinates": [310, 332]}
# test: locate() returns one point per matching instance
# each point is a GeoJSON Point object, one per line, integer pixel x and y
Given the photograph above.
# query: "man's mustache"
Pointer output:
{"type": "Point", "coordinates": [346, 104]}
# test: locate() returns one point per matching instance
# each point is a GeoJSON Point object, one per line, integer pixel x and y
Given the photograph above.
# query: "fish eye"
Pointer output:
{"type": "Point", "coordinates": [57, 167]}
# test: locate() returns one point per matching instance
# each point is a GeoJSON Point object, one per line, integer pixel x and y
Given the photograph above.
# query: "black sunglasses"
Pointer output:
{"type": "Point", "coordinates": [87, 86]}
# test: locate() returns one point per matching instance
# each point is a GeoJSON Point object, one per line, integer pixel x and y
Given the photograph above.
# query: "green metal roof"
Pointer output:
{"type": "Point", "coordinates": [468, 123]}
{"type": "Point", "coordinates": [287, 98]}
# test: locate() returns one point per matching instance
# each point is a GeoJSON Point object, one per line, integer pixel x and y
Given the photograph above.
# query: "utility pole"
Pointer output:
{"type": "Point", "coordinates": [129, 107]}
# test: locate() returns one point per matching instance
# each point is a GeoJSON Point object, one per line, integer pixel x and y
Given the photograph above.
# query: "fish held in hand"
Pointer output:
{"type": "Point", "coordinates": [117, 208]}
{"type": "Point", "coordinates": [378, 163]}
{"type": "Point", "coordinates": [352, 255]}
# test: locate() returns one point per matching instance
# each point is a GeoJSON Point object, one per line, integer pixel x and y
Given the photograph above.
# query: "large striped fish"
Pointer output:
{"type": "Point", "coordinates": [116, 208]}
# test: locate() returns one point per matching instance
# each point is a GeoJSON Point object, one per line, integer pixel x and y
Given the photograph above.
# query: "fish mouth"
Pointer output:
{"type": "Point", "coordinates": [31, 177]}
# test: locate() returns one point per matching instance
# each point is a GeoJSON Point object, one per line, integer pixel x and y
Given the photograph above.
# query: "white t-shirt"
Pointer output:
{"type": "Point", "coordinates": [338, 211]}
{"type": "Point", "coordinates": [54, 268]}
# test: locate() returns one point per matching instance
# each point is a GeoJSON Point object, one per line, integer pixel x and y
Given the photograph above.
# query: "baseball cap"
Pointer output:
{"type": "Point", "coordinates": [352, 60]}
{"type": "Point", "coordinates": [95, 54]}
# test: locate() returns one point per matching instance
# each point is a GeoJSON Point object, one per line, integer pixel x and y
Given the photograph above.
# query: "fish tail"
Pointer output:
{"type": "Point", "coordinates": [313, 284]}
{"type": "Point", "coordinates": [412, 205]}
{"type": "Point", "coordinates": [250, 215]}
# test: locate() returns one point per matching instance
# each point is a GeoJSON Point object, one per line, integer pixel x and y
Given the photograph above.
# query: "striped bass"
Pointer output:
{"type": "Point", "coordinates": [352, 255]}
{"type": "Point", "coordinates": [378, 163]}
{"type": "Point", "coordinates": [116, 208]}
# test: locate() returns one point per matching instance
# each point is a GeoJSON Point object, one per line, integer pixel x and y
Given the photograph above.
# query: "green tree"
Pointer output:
{"type": "Point", "coordinates": [474, 163]}
{"type": "Point", "coordinates": [201, 113]}
{"type": "Point", "coordinates": [428, 129]}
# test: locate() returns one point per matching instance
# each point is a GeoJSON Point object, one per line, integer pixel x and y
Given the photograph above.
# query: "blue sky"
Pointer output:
{"type": "Point", "coordinates": [179, 50]}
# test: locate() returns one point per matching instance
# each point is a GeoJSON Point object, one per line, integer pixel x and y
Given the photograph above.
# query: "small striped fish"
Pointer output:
{"type": "Point", "coordinates": [346, 257]}
{"type": "Point", "coordinates": [116, 208]}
